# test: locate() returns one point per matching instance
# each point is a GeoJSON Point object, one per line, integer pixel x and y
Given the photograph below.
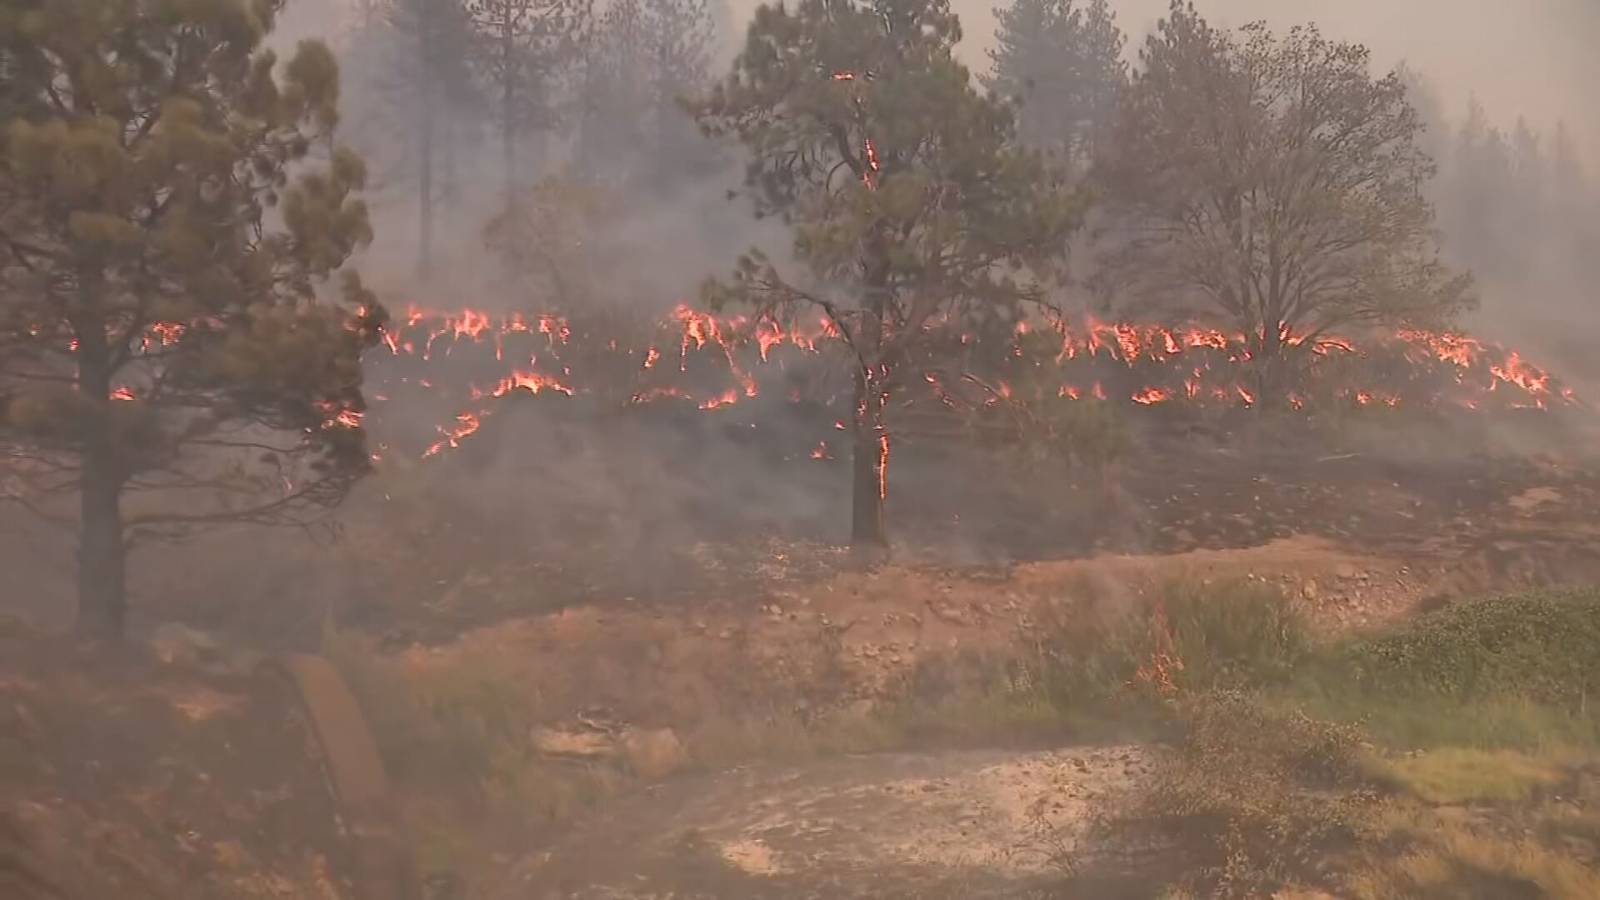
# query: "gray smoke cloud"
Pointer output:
{"type": "Point", "coordinates": [1533, 58]}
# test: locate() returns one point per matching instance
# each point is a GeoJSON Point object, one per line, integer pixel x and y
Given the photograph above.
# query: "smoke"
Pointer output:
{"type": "Point", "coordinates": [1531, 59]}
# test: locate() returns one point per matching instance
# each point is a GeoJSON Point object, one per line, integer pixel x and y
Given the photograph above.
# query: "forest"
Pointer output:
{"type": "Point", "coordinates": [610, 437]}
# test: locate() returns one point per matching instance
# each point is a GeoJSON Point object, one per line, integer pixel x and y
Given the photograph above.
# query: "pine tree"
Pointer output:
{"type": "Point", "coordinates": [526, 49]}
{"type": "Point", "coordinates": [648, 55]}
{"type": "Point", "coordinates": [430, 98]}
{"type": "Point", "coordinates": [1063, 67]}
{"type": "Point", "coordinates": [170, 202]}
{"type": "Point", "coordinates": [906, 193]}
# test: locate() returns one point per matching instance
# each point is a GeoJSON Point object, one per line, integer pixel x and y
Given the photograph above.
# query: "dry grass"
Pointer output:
{"type": "Point", "coordinates": [1454, 863]}
{"type": "Point", "coordinates": [1456, 775]}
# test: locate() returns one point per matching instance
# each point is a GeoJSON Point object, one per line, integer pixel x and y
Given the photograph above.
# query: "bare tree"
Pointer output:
{"type": "Point", "coordinates": [1272, 181]}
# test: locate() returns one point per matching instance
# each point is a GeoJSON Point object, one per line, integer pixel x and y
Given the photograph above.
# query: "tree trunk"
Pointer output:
{"type": "Point", "coordinates": [508, 101]}
{"type": "Point", "coordinates": [869, 531]}
{"type": "Point", "coordinates": [425, 137]}
{"type": "Point", "coordinates": [425, 197]}
{"type": "Point", "coordinates": [102, 554]}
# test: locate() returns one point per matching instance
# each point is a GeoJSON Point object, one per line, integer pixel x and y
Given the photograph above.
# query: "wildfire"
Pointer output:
{"type": "Point", "coordinates": [1151, 396]}
{"type": "Point", "coordinates": [727, 398]}
{"type": "Point", "coordinates": [466, 425]}
{"type": "Point", "coordinates": [532, 382]}
{"type": "Point", "coordinates": [882, 467]}
{"type": "Point", "coordinates": [723, 360]}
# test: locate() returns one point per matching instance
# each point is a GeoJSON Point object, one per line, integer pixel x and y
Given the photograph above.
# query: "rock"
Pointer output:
{"type": "Point", "coordinates": [1346, 571]}
{"type": "Point", "coordinates": [654, 753]}
{"type": "Point", "coordinates": [1532, 498]}
{"type": "Point", "coordinates": [176, 644]}
{"type": "Point", "coordinates": [1309, 590]}
{"type": "Point", "coordinates": [950, 613]}
{"type": "Point", "coordinates": [574, 744]}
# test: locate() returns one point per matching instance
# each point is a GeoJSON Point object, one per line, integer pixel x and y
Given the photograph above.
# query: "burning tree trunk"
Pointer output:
{"type": "Point", "coordinates": [869, 531]}
{"type": "Point", "coordinates": [870, 454]}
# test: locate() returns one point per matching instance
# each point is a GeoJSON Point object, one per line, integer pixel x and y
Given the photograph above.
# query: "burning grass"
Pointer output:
{"type": "Point", "coordinates": [471, 361]}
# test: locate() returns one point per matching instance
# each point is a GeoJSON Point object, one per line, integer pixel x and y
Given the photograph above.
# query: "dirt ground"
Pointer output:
{"type": "Point", "coordinates": [123, 775]}
{"type": "Point", "coordinates": [956, 824]}
{"type": "Point", "coordinates": [191, 782]}
{"type": "Point", "coordinates": [949, 824]}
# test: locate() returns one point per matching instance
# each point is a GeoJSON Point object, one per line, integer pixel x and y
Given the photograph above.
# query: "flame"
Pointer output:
{"type": "Point", "coordinates": [466, 425]}
{"type": "Point", "coordinates": [532, 382]}
{"type": "Point", "coordinates": [346, 418]}
{"type": "Point", "coordinates": [1173, 362]}
{"type": "Point", "coordinates": [1152, 395]}
{"type": "Point", "coordinates": [882, 467]}
{"type": "Point", "coordinates": [122, 393]}
{"type": "Point", "coordinates": [820, 451]}
{"type": "Point", "coordinates": [1524, 376]}
{"type": "Point", "coordinates": [727, 398]}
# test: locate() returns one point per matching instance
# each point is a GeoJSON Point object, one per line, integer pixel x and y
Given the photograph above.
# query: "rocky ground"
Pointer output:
{"type": "Point", "coordinates": [126, 775]}
{"type": "Point", "coordinates": [956, 824]}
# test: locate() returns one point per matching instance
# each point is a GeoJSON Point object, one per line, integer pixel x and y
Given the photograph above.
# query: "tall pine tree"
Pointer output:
{"type": "Point", "coordinates": [166, 360]}
{"type": "Point", "coordinates": [647, 57]}
{"type": "Point", "coordinates": [1063, 66]}
{"type": "Point", "coordinates": [526, 50]}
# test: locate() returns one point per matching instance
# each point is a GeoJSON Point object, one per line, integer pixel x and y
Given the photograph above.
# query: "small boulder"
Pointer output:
{"type": "Point", "coordinates": [574, 744]}
{"type": "Point", "coordinates": [654, 753]}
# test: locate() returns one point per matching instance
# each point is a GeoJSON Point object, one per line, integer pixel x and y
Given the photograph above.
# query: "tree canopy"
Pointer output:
{"type": "Point", "coordinates": [907, 197]}
{"type": "Point", "coordinates": [170, 202]}
{"type": "Point", "coordinates": [1063, 65]}
{"type": "Point", "coordinates": [1272, 181]}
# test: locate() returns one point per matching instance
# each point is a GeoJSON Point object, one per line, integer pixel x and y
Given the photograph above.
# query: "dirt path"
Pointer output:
{"type": "Point", "coordinates": [958, 824]}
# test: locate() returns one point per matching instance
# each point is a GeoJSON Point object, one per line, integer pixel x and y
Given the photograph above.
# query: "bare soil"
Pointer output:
{"type": "Point", "coordinates": [124, 776]}
{"type": "Point", "coordinates": [956, 824]}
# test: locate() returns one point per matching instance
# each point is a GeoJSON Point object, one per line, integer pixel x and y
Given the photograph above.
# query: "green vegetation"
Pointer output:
{"type": "Point", "coordinates": [173, 357]}
{"type": "Point", "coordinates": [1461, 775]}
{"type": "Point", "coordinates": [1411, 763]}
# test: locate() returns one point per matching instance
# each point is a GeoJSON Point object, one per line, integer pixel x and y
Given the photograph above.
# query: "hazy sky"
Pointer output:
{"type": "Point", "coordinates": [1534, 57]}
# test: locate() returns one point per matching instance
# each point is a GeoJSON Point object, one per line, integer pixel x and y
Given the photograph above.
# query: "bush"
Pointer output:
{"type": "Point", "coordinates": [1259, 799]}
{"type": "Point", "coordinates": [1187, 637]}
{"type": "Point", "coordinates": [1542, 646]}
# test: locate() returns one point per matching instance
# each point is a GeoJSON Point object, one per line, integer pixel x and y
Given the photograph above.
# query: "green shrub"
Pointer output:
{"type": "Point", "coordinates": [1542, 646]}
